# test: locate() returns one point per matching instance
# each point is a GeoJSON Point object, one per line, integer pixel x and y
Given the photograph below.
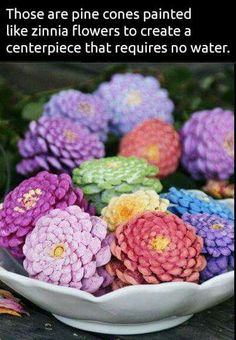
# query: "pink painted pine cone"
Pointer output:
{"type": "Point", "coordinates": [67, 247]}
{"type": "Point", "coordinates": [32, 199]}
{"type": "Point", "coordinates": [155, 247]}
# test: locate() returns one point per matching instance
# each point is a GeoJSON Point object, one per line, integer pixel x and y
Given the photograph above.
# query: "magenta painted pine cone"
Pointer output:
{"type": "Point", "coordinates": [84, 108]}
{"type": "Point", "coordinates": [57, 144]}
{"type": "Point", "coordinates": [32, 199]}
{"type": "Point", "coordinates": [208, 144]}
{"type": "Point", "coordinates": [67, 247]}
{"type": "Point", "coordinates": [155, 247]}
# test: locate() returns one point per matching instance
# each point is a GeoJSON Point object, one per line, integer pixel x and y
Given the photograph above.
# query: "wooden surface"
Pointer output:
{"type": "Point", "coordinates": [216, 323]}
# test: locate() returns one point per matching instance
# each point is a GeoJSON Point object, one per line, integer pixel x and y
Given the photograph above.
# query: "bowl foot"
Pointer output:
{"type": "Point", "coordinates": [124, 329]}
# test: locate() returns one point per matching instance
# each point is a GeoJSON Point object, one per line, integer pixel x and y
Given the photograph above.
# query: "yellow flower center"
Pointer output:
{"type": "Point", "coordinates": [217, 226]}
{"type": "Point", "coordinates": [112, 165]}
{"type": "Point", "coordinates": [160, 243]}
{"type": "Point", "coordinates": [58, 250]}
{"type": "Point", "coordinates": [71, 136]}
{"type": "Point", "coordinates": [134, 98]}
{"type": "Point", "coordinates": [151, 152]}
{"type": "Point", "coordinates": [28, 200]}
{"type": "Point", "coordinates": [229, 144]}
{"type": "Point", "coordinates": [86, 107]}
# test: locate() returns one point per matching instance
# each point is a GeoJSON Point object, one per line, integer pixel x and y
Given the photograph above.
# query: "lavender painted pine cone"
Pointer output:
{"type": "Point", "coordinates": [86, 109]}
{"type": "Point", "coordinates": [32, 199]}
{"type": "Point", "coordinates": [208, 144]}
{"type": "Point", "coordinates": [67, 247]}
{"type": "Point", "coordinates": [217, 233]}
{"type": "Point", "coordinates": [57, 144]}
{"type": "Point", "coordinates": [132, 98]}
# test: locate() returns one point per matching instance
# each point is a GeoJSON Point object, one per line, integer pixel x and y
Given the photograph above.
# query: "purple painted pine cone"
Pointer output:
{"type": "Point", "coordinates": [215, 266]}
{"type": "Point", "coordinates": [32, 199]}
{"type": "Point", "coordinates": [67, 248]}
{"type": "Point", "coordinates": [217, 233]}
{"type": "Point", "coordinates": [208, 144]}
{"type": "Point", "coordinates": [132, 98]}
{"type": "Point", "coordinates": [86, 109]}
{"type": "Point", "coordinates": [57, 144]}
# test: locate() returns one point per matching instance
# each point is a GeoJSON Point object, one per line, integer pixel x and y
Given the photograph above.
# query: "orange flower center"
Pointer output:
{"type": "Point", "coordinates": [134, 98]}
{"type": "Point", "coordinates": [86, 107]}
{"type": "Point", "coordinates": [71, 136]}
{"type": "Point", "coordinates": [229, 144]}
{"type": "Point", "coordinates": [217, 226]}
{"type": "Point", "coordinates": [125, 212]}
{"type": "Point", "coordinates": [160, 243]}
{"type": "Point", "coordinates": [151, 152]}
{"type": "Point", "coordinates": [28, 200]}
{"type": "Point", "coordinates": [57, 250]}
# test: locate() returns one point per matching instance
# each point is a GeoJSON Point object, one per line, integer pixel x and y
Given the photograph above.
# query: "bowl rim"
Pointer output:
{"type": "Point", "coordinates": [113, 294]}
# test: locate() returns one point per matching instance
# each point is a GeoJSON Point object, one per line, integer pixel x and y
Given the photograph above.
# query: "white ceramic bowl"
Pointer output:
{"type": "Point", "coordinates": [129, 310]}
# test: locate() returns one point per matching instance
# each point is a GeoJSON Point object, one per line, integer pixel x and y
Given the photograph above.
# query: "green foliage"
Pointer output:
{"type": "Point", "coordinates": [191, 87]}
{"type": "Point", "coordinates": [32, 111]}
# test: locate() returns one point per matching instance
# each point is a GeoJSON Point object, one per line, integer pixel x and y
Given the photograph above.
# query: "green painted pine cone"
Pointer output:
{"type": "Point", "coordinates": [108, 177]}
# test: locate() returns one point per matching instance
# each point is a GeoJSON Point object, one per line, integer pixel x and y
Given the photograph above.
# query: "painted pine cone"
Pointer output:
{"type": "Point", "coordinates": [66, 248]}
{"type": "Point", "coordinates": [156, 247]}
{"type": "Point", "coordinates": [86, 109]}
{"type": "Point", "coordinates": [132, 98]}
{"type": "Point", "coordinates": [219, 189]}
{"type": "Point", "coordinates": [122, 208]}
{"type": "Point", "coordinates": [157, 142]}
{"type": "Point", "coordinates": [32, 199]}
{"type": "Point", "coordinates": [184, 201]}
{"type": "Point", "coordinates": [215, 266]}
{"type": "Point", "coordinates": [57, 144]}
{"type": "Point", "coordinates": [111, 176]}
{"type": "Point", "coordinates": [217, 233]}
{"type": "Point", "coordinates": [208, 144]}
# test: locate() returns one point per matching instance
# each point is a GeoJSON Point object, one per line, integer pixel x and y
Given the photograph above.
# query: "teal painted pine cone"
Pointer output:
{"type": "Point", "coordinates": [108, 177]}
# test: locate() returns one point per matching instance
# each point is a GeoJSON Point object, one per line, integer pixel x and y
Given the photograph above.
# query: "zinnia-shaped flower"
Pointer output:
{"type": "Point", "coordinates": [58, 144]}
{"type": "Point", "coordinates": [132, 98]}
{"type": "Point", "coordinates": [84, 108]}
{"type": "Point", "coordinates": [156, 247]}
{"type": "Point", "coordinates": [217, 233]}
{"type": "Point", "coordinates": [108, 177]}
{"type": "Point", "coordinates": [10, 304]}
{"type": "Point", "coordinates": [125, 207]}
{"type": "Point", "coordinates": [66, 248]}
{"type": "Point", "coordinates": [32, 199]}
{"type": "Point", "coordinates": [219, 189]}
{"type": "Point", "coordinates": [184, 201]}
{"type": "Point", "coordinates": [155, 141]}
{"type": "Point", "coordinates": [208, 144]}
{"type": "Point", "coordinates": [215, 266]}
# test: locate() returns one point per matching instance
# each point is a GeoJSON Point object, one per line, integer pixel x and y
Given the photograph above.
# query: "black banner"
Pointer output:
{"type": "Point", "coordinates": [163, 32]}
